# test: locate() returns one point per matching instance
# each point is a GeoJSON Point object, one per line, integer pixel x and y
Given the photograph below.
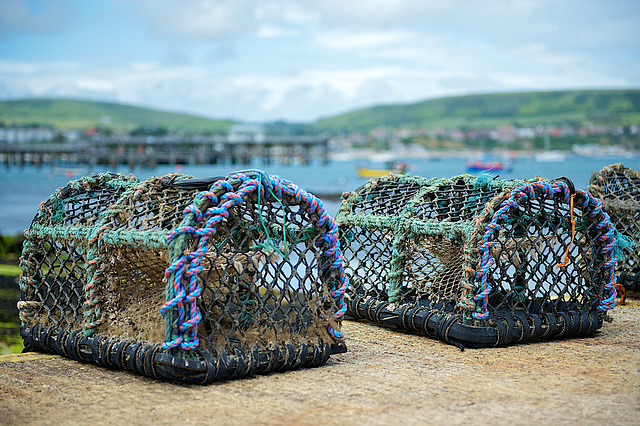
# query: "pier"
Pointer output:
{"type": "Point", "coordinates": [149, 151]}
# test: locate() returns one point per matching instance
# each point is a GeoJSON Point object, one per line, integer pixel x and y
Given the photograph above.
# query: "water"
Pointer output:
{"type": "Point", "coordinates": [23, 189]}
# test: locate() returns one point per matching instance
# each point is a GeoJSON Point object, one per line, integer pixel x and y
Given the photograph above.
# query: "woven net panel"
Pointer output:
{"type": "Point", "coordinates": [81, 202]}
{"type": "Point", "coordinates": [618, 187]}
{"type": "Point", "coordinates": [426, 199]}
{"type": "Point", "coordinates": [479, 262]}
{"type": "Point", "coordinates": [130, 284]}
{"type": "Point", "coordinates": [256, 284]}
{"type": "Point", "coordinates": [369, 268]}
{"type": "Point", "coordinates": [402, 236]}
{"type": "Point", "coordinates": [53, 292]}
{"type": "Point", "coordinates": [541, 261]}
{"type": "Point", "coordinates": [131, 293]}
{"type": "Point", "coordinates": [265, 271]}
{"type": "Point", "coordinates": [55, 259]}
{"type": "Point", "coordinates": [261, 280]}
{"type": "Point", "coordinates": [454, 200]}
{"type": "Point", "coordinates": [435, 270]}
{"type": "Point", "coordinates": [384, 197]}
{"type": "Point", "coordinates": [156, 204]}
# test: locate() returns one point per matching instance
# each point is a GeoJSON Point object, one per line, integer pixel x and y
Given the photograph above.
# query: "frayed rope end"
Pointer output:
{"type": "Point", "coordinates": [623, 242]}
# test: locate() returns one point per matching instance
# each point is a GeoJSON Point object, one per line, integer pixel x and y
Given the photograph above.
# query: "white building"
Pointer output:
{"type": "Point", "coordinates": [246, 133]}
{"type": "Point", "coordinates": [26, 134]}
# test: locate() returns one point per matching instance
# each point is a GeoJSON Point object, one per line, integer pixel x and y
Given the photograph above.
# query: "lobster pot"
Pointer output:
{"type": "Point", "coordinates": [477, 262]}
{"type": "Point", "coordinates": [618, 188]}
{"type": "Point", "coordinates": [183, 279]}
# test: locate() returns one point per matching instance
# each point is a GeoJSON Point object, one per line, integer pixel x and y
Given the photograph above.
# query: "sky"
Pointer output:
{"type": "Point", "coordinates": [302, 60]}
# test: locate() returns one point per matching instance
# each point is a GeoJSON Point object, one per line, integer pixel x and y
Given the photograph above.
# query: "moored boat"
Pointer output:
{"type": "Point", "coordinates": [489, 165]}
{"type": "Point", "coordinates": [376, 172]}
{"type": "Point", "coordinates": [367, 172]}
{"type": "Point", "coordinates": [500, 160]}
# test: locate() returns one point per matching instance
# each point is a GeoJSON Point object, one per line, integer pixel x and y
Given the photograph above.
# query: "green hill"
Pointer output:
{"type": "Point", "coordinates": [609, 107]}
{"type": "Point", "coordinates": [73, 114]}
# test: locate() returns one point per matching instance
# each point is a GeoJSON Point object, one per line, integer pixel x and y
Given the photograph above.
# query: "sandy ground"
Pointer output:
{"type": "Point", "coordinates": [387, 377]}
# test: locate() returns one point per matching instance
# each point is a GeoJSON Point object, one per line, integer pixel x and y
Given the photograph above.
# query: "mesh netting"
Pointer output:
{"type": "Point", "coordinates": [478, 262]}
{"type": "Point", "coordinates": [184, 279]}
{"type": "Point", "coordinates": [618, 187]}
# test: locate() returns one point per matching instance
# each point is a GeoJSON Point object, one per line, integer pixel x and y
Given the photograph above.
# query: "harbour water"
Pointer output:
{"type": "Point", "coordinates": [23, 189]}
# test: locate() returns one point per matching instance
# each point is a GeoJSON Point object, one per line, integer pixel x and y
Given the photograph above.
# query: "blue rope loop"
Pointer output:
{"type": "Point", "coordinates": [231, 192]}
{"type": "Point", "coordinates": [548, 189]}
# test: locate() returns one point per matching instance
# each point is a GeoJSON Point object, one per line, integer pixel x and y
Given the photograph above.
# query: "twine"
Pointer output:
{"type": "Point", "coordinates": [186, 267]}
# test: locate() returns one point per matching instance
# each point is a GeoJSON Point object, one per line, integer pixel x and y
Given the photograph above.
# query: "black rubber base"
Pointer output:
{"type": "Point", "coordinates": [191, 367]}
{"type": "Point", "coordinates": [439, 321]}
{"type": "Point", "coordinates": [630, 280]}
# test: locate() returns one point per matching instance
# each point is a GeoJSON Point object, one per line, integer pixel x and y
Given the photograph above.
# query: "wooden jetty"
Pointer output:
{"type": "Point", "coordinates": [148, 151]}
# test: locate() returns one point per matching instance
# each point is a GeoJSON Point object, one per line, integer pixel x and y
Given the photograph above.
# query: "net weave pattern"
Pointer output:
{"type": "Point", "coordinates": [478, 261]}
{"type": "Point", "coordinates": [618, 187]}
{"type": "Point", "coordinates": [184, 279]}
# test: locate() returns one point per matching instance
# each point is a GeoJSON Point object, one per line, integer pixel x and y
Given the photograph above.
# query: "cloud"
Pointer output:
{"type": "Point", "coordinates": [287, 11]}
{"type": "Point", "coordinates": [269, 31]}
{"type": "Point", "coordinates": [359, 40]}
{"type": "Point", "coordinates": [248, 96]}
{"type": "Point", "coordinates": [297, 60]}
{"type": "Point", "coordinates": [176, 57]}
{"type": "Point", "coordinates": [52, 79]}
{"type": "Point", "coordinates": [566, 25]}
{"type": "Point", "coordinates": [22, 17]}
{"type": "Point", "coordinates": [222, 52]}
{"type": "Point", "coordinates": [200, 20]}
{"type": "Point", "coordinates": [301, 96]}
{"type": "Point", "coordinates": [570, 23]}
{"type": "Point", "coordinates": [10, 69]}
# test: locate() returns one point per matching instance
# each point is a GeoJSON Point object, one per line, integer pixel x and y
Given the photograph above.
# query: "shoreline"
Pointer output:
{"type": "Point", "coordinates": [382, 156]}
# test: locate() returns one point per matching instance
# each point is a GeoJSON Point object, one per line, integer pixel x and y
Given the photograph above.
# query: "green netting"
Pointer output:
{"type": "Point", "coordinates": [618, 187]}
{"type": "Point", "coordinates": [477, 261]}
{"type": "Point", "coordinates": [183, 279]}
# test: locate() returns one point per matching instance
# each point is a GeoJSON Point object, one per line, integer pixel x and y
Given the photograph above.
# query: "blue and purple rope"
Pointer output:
{"type": "Point", "coordinates": [607, 239]}
{"type": "Point", "coordinates": [189, 265]}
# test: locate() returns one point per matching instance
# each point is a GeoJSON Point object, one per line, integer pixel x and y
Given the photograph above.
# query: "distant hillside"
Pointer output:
{"type": "Point", "coordinates": [72, 114]}
{"type": "Point", "coordinates": [610, 107]}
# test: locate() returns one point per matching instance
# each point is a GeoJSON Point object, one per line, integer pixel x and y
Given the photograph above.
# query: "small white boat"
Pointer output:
{"type": "Point", "coordinates": [550, 157]}
{"type": "Point", "coordinates": [595, 150]}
